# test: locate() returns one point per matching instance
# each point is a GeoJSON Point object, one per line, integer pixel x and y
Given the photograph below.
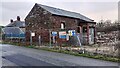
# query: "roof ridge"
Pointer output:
{"type": "Point", "coordinates": [58, 8]}
{"type": "Point", "coordinates": [63, 12]}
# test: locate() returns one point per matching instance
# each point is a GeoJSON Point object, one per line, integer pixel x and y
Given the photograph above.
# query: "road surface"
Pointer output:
{"type": "Point", "coordinates": [21, 56]}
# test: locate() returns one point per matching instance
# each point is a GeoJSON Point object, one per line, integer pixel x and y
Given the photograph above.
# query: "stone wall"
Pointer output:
{"type": "Point", "coordinates": [40, 21]}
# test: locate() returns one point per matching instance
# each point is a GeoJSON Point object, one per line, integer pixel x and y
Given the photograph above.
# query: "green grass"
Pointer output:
{"type": "Point", "coordinates": [31, 46]}
{"type": "Point", "coordinates": [100, 57]}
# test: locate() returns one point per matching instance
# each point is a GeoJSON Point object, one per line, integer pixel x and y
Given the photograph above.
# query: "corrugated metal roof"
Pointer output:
{"type": "Point", "coordinates": [16, 24]}
{"type": "Point", "coordinates": [12, 30]}
{"type": "Point", "coordinates": [62, 12]}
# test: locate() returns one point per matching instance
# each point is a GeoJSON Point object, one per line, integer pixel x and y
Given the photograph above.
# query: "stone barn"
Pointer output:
{"type": "Point", "coordinates": [42, 20]}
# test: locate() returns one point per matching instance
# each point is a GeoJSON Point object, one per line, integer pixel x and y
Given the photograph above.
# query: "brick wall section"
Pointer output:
{"type": "Point", "coordinates": [39, 21]}
{"type": "Point", "coordinates": [70, 23]}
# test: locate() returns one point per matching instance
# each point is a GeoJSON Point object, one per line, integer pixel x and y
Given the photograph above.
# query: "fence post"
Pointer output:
{"type": "Point", "coordinates": [50, 37]}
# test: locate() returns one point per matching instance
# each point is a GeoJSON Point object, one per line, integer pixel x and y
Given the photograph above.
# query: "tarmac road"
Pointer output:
{"type": "Point", "coordinates": [21, 56]}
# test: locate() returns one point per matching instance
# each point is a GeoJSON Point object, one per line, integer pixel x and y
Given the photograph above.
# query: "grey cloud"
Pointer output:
{"type": "Point", "coordinates": [15, 6]}
{"type": "Point", "coordinates": [12, 9]}
{"type": "Point", "coordinates": [86, 7]}
{"type": "Point", "coordinates": [91, 6]}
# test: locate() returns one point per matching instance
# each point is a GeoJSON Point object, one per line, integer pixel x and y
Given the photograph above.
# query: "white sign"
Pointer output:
{"type": "Point", "coordinates": [54, 33]}
{"type": "Point", "coordinates": [62, 33]}
{"type": "Point", "coordinates": [53, 39]}
{"type": "Point", "coordinates": [71, 32]}
{"type": "Point", "coordinates": [32, 34]}
{"type": "Point", "coordinates": [67, 37]}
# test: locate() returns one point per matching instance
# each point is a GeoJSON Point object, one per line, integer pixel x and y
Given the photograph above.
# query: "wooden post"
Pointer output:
{"type": "Point", "coordinates": [80, 29]}
{"type": "Point", "coordinates": [39, 38]}
{"type": "Point", "coordinates": [88, 33]}
{"type": "Point", "coordinates": [95, 33]}
{"type": "Point", "coordinates": [50, 37]}
{"type": "Point", "coordinates": [81, 37]}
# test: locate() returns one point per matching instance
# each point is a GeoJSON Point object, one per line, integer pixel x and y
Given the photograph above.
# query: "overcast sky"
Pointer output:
{"type": "Point", "coordinates": [96, 10]}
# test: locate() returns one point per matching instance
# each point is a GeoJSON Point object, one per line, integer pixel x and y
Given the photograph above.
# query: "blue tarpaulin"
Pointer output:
{"type": "Point", "coordinates": [13, 32]}
{"type": "Point", "coordinates": [15, 35]}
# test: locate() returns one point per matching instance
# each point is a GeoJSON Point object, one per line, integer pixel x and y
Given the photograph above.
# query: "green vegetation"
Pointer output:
{"type": "Point", "coordinates": [1, 28]}
{"type": "Point", "coordinates": [1, 31]}
{"type": "Point", "coordinates": [101, 57]}
{"type": "Point", "coordinates": [10, 43]}
{"type": "Point", "coordinates": [31, 46]}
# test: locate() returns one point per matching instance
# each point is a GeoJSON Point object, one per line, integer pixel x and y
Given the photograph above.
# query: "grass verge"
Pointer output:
{"type": "Point", "coordinates": [100, 57]}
